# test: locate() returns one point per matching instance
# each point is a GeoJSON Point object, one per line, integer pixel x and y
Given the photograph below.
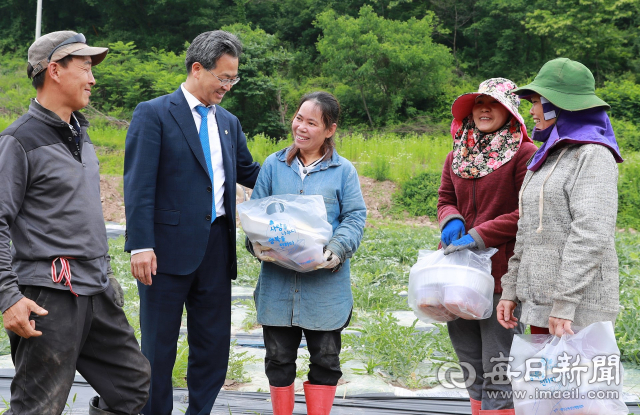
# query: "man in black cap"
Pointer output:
{"type": "Point", "coordinates": [58, 304]}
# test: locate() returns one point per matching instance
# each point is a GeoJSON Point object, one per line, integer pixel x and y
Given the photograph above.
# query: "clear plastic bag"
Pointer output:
{"type": "Point", "coordinates": [578, 374]}
{"type": "Point", "coordinates": [295, 227]}
{"type": "Point", "coordinates": [445, 287]}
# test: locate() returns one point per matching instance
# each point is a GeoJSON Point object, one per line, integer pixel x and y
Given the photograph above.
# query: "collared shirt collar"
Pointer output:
{"type": "Point", "coordinates": [193, 101]}
{"type": "Point", "coordinates": [36, 109]}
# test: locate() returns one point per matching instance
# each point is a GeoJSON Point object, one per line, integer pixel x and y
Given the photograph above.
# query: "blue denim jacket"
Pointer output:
{"type": "Point", "coordinates": [316, 300]}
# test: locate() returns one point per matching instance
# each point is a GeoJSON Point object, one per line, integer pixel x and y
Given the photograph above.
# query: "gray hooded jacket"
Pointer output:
{"type": "Point", "coordinates": [565, 263]}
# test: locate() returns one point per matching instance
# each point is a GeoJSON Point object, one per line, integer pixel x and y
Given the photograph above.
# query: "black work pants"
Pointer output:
{"type": "Point", "coordinates": [86, 333]}
{"type": "Point", "coordinates": [282, 344]}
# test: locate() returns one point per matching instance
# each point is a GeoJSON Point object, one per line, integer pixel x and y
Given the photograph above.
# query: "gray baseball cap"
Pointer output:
{"type": "Point", "coordinates": [57, 45]}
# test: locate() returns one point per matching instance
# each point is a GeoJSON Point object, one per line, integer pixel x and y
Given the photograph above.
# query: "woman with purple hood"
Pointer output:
{"type": "Point", "coordinates": [564, 270]}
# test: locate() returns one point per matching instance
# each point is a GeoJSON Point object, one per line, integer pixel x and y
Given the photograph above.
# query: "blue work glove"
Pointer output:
{"type": "Point", "coordinates": [466, 242]}
{"type": "Point", "coordinates": [454, 229]}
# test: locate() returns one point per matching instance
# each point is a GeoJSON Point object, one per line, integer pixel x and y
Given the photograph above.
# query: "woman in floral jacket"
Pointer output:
{"type": "Point", "coordinates": [478, 208]}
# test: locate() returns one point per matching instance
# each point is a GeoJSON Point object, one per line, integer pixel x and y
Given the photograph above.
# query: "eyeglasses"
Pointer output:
{"type": "Point", "coordinates": [77, 38]}
{"type": "Point", "coordinates": [225, 82]}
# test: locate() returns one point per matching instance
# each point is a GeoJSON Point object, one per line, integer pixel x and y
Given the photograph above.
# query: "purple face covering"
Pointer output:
{"type": "Point", "coordinates": [591, 126]}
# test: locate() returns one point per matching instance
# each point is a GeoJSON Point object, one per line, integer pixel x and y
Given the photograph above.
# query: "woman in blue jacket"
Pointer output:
{"type": "Point", "coordinates": [319, 302]}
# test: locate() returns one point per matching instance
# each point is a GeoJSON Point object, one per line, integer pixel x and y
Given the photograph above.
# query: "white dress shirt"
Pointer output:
{"type": "Point", "coordinates": [216, 153]}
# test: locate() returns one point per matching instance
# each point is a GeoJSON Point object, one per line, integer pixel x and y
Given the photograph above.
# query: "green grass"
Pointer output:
{"type": "Point", "coordinates": [386, 156]}
{"type": "Point", "coordinates": [111, 138]}
{"type": "Point", "coordinates": [627, 327]}
{"type": "Point", "coordinates": [393, 156]}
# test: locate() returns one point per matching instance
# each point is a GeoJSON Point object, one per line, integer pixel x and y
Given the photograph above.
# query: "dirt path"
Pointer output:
{"type": "Point", "coordinates": [377, 197]}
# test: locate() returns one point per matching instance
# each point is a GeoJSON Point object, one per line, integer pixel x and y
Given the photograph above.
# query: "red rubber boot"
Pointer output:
{"type": "Point", "coordinates": [282, 399]}
{"type": "Point", "coordinates": [498, 412]}
{"type": "Point", "coordinates": [475, 406]}
{"type": "Point", "coordinates": [319, 398]}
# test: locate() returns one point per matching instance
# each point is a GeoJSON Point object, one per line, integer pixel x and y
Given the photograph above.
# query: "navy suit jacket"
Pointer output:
{"type": "Point", "coordinates": [167, 189]}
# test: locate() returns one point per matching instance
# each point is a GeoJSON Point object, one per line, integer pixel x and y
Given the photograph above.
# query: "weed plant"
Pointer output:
{"type": "Point", "coordinates": [179, 373]}
{"type": "Point", "coordinates": [235, 370]}
{"type": "Point", "coordinates": [629, 192]}
{"type": "Point", "coordinates": [15, 88]}
{"type": "Point", "coordinates": [121, 266]}
{"type": "Point", "coordinates": [250, 320]}
{"type": "Point", "coordinates": [302, 364]}
{"type": "Point", "coordinates": [68, 406]}
{"type": "Point", "coordinates": [380, 267]}
{"type": "Point", "coordinates": [419, 195]}
{"type": "Point", "coordinates": [237, 362]}
{"type": "Point", "coordinates": [248, 265]}
{"type": "Point", "coordinates": [397, 350]}
{"type": "Point", "coordinates": [5, 121]}
{"type": "Point", "coordinates": [627, 327]}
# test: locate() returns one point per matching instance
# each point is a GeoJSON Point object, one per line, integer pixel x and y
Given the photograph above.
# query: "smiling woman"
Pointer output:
{"type": "Point", "coordinates": [477, 207]}
{"type": "Point", "coordinates": [318, 304]}
{"type": "Point", "coordinates": [489, 114]}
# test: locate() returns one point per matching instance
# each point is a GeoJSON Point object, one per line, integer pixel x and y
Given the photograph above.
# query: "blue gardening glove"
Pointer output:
{"type": "Point", "coordinates": [454, 229]}
{"type": "Point", "coordinates": [466, 242]}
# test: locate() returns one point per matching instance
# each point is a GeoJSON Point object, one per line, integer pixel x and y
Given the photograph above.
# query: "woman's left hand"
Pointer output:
{"type": "Point", "coordinates": [559, 326]}
{"type": "Point", "coordinates": [466, 242]}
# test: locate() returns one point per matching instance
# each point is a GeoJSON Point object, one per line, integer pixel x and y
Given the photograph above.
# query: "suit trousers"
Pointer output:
{"type": "Point", "coordinates": [87, 333]}
{"type": "Point", "coordinates": [476, 343]}
{"type": "Point", "coordinates": [206, 294]}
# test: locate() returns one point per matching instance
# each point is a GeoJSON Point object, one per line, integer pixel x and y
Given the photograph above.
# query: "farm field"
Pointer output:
{"type": "Point", "coordinates": [384, 347]}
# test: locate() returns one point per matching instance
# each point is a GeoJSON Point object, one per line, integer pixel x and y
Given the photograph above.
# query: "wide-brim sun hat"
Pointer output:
{"type": "Point", "coordinates": [567, 84]}
{"type": "Point", "coordinates": [498, 88]}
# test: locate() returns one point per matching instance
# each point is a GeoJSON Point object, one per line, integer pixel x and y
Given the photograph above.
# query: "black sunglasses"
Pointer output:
{"type": "Point", "coordinates": [78, 38]}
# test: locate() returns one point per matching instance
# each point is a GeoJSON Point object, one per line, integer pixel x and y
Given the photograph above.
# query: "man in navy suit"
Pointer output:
{"type": "Point", "coordinates": [183, 157]}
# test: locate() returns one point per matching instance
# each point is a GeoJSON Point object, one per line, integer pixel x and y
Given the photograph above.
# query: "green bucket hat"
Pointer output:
{"type": "Point", "coordinates": [566, 84]}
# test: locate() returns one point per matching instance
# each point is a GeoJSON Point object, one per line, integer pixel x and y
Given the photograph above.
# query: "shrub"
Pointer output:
{"type": "Point", "coordinates": [624, 98]}
{"type": "Point", "coordinates": [627, 135]}
{"type": "Point", "coordinates": [629, 193]}
{"type": "Point", "coordinates": [379, 168]}
{"type": "Point", "coordinates": [419, 195]}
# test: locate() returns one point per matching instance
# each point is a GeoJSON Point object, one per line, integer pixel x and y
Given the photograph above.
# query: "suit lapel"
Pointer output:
{"type": "Point", "coordinates": [182, 114]}
{"type": "Point", "coordinates": [226, 145]}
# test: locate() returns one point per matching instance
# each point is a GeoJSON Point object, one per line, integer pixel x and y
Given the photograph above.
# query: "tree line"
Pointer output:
{"type": "Point", "coordinates": [388, 61]}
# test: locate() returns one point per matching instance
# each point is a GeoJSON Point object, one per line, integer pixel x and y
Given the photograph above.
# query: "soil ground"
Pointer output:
{"type": "Point", "coordinates": [377, 197]}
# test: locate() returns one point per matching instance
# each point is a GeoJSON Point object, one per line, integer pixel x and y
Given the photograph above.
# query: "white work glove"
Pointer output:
{"type": "Point", "coordinates": [330, 260]}
{"type": "Point", "coordinates": [259, 250]}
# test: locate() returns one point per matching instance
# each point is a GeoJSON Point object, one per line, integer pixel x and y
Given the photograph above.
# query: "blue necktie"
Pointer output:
{"type": "Point", "coordinates": [204, 141]}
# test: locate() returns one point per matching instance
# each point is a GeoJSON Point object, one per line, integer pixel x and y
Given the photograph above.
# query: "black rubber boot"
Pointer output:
{"type": "Point", "coordinates": [94, 410]}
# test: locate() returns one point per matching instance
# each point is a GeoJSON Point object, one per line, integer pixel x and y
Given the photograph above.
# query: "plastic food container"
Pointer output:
{"type": "Point", "coordinates": [443, 288]}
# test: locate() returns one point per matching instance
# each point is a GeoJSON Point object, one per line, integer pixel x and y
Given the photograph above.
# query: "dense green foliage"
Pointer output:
{"type": "Point", "coordinates": [629, 193]}
{"type": "Point", "coordinates": [390, 62]}
{"type": "Point", "coordinates": [627, 327]}
{"type": "Point", "coordinates": [376, 63]}
{"type": "Point", "coordinates": [419, 195]}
